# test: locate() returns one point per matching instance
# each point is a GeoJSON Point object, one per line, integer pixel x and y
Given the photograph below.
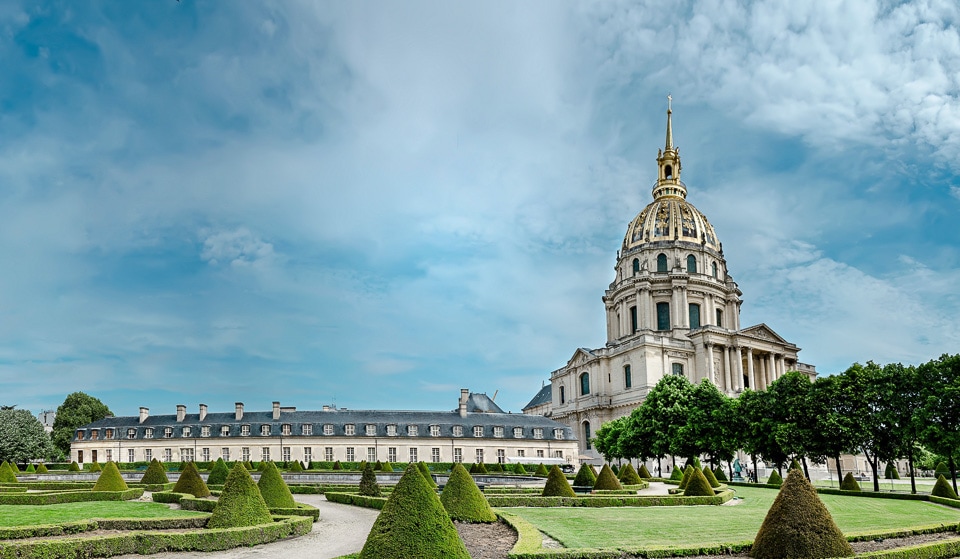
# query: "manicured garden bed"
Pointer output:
{"type": "Point", "coordinates": [17, 515]}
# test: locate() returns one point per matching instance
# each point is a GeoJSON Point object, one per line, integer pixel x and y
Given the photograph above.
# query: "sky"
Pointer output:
{"type": "Point", "coordinates": [375, 204]}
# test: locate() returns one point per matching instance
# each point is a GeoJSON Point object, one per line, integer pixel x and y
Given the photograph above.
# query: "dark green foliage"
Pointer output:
{"type": "Point", "coordinates": [378, 466]}
{"type": "Point", "coordinates": [426, 473]}
{"type": "Point", "coordinates": [413, 523]}
{"type": "Point", "coordinates": [95, 467]}
{"type": "Point", "coordinates": [585, 476]}
{"type": "Point", "coordinates": [519, 469]}
{"type": "Point", "coordinates": [155, 473]}
{"type": "Point", "coordinates": [719, 475]}
{"type": "Point", "coordinates": [190, 482]}
{"type": "Point", "coordinates": [77, 410]}
{"type": "Point", "coordinates": [463, 500]}
{"type": "Point", "coordinates": [386, 467]}
{"type": "Point", "coordinates": [74, 467]}
{"type": "Point", "coordinates": [849, 483]}
{"type": "Point", "coordinates": [794, 465]}
{"type": "Point", "coordinates": [218, 475]}
{"type": "Point", "coordinates": [182, 466]}
{"type": "Point", "coordinates": [30, 469]}
{"type": "Point", "coordinates": [274, 490]}
{"type": "Point", "coordinates": [7, 475]}
{"type": "Point", "coordinates": [643, 472]}
{"type": "Point", "coordinates": [628, 476]}
{"type": "Point", "coordinates": [478, 468]}
{"type": "Point", "coordinates": [942, 470]}
{"type": "Point", "coordinates": [697, 485]}
{"type": "Point", "coordinates": [615, 468]}
{"type": "Point", "coordinates": [676, 475]}
{"type": "Point", "coordinates": [557, 485]}
{"type": "Point", "coordinates": [240, 502]}
{"type": "Point", "coordinates": [337, 466]}
{"type": "Point", "coordinates": [943, 489]}
{"type": "Point", "coordinates": [110, 479]}
{"type": "Point", "coordinates": [362, 465]}
{"type": "Point", "coordinates": [799, 525]}
{"type": "Point", "coordinates": [368, 483]}
{"type": "Point", "coordinates": [687, 473]}
{"type": "Point", "coordinates": [42, 468]}
{"type": "Point", "coordinates": [263, 465]}
{"type": "Point", "coordinates": [606, 480]}
{"type": "Point", "coordinates": [775, 478]}
{"type": "Point", "coordinates": [891, 472]}
{"type": "Point", "coordinates": [711, 479]}
{"type": "Point", "coordinates": [248, 466]}
{"type": "Point", "coordinates": [295, 466]}
{"type": "Point", "coordinates": [541, 470]}
{"type": "Point", "coordinates": [496, 468]}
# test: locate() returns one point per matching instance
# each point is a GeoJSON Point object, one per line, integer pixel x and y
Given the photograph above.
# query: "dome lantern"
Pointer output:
{"type": "Point", "coordinates": [668, 160]}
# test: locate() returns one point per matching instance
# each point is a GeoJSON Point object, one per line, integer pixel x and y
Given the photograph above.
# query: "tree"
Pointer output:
{"type": "Point", "coordinates": [709, 424]}
{"type": "Point", "coordinates": [757, 437]}
{"type": "Point", "coordinates": [832, 430]}
{"type": "Point", "coordinates": [77, 410]}
{"type": "Point", "coordinates": [904, 415]}
{"type": "Point", "coordinates": [22, 437]}
{"type": "Point", "coordinates": [607, 440]}
{"type": "Point", "coordinates": [665, 413]}
{"type": "Point", "coordinates": [869, 392]}
{"type": "Point", "coordinates": [941, 408]}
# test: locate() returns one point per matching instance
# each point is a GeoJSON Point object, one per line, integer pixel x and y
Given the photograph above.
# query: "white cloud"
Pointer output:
{"type": "Point", "coordinates": [237, 247]}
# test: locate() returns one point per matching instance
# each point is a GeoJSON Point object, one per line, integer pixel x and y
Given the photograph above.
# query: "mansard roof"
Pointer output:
{"type": "Point", "coordinates": [545, 396]}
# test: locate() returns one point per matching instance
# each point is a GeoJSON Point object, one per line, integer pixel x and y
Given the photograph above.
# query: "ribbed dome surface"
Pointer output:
{"type": "Point", "coordinates": [670, 218]}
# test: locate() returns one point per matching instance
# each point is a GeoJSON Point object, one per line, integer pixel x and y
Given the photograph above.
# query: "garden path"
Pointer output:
{"type": "Point", "coordinates": [656, 488]}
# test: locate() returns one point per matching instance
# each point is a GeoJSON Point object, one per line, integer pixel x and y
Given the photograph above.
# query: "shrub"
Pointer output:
{"type": "Point", "coordinates": [585, 476]}
{"type": "Point", "coordinates": [273, 489]}
{"type": "Point", "coordinates": [190, 482]}
{"type": "Point", "coordinates": [413, 523]}
{"type": "Point", "coordinates": [7, 475]}
{"type": "Point", "coordinates": [156, 474]}
{"type": "Point", "coordinates": [519, 469]}
{"type": "Point", "coordinates": [718, 473]}
{"type": "Point", "coordinates": [676, 475]}
{"type": "Point", "coordinates": [687, 473]}
{"type": "Point", "coordinates": [386, 467]}
{"type": "Point", "coordinates": [368, 483]}
{"type": "Point", "coordinates": [891, 472]}
{"type": "Point", "coordinates": [849, 484]}
{"type": "Point", "coordinates": [426, 473]}
{"type": "Point", "coordinates": [711, 479]}
{"type": "Point", "coordinates": [263, 465]}
{"type": "Point", "coordinates": [557, 485]}
{"type": "Point", "coordinates": [942, 470]}
{"type": "Point", "coordinates": [697, 485]}
{"type": "Point", "coordinates": [218, 475]}
{"type": "Point", "coordinates": [463, 500]}
{"type": "Point", "coordinates": [541, 470]}
{"type": "Point", "coordinates": [182, 466]}
{"type": "Point", "coordinates": [337, 466]}
{"type": "Point", "coordinates": [615, 468]}
{"type": "Point", "coordinates": [794, 465]}
{"type": "Point", "coordinates": [643, 472]}
{"type": "Point", "coordinates": [496, 468]}
{"type": "Point", "coordinates": [295, 466]}
{"type": "Point", "coordinates": [478, 468]}
{"type": "Point", "coordinates": [774, 478]}
{"type": "Point", "coordinates": [362, 465]}
{"type": "Point", "coordinates": [240, 502]}
{"type": "Point", "coordinates": [248, 466]}
{"type": "Point", "coordinates": [30, 469]}
{"type": "Point", "coordinates": [42, 468]}
{"type": "Point", "coordinates": [628, 476]}
{"type": "Point", "coordinates": [378, 466]}
{"type": "Point", "coordinates": [74, 467]}
{"type": "Point", "coordinates": [943, 489]}
{"type": "Point", "coordinates": [606, 480]}
{"type": "Point", "coordinates": [95, 467]}
{"type": "Point", "coordinates": [110, 479]}
{"type": "Point", "coordinates": [799, 525]}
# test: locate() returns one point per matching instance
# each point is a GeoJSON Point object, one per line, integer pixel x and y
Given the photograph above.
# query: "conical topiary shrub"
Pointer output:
{"type": "Point", "coordinates": [606, 480]}
{"type": "Point", "coordinates": [337, 465]}
{"type": "Point", "coordinates": [519, 469]}
{"type": "Point", "coordinates": [496, 468]}
{"type": "Point", "coordinates": [30, 469]}
{"type": "Point", "coordinates": [95, 467]}
{"type": "Point", "coordinates": [628, 476]}
{"type": "Point", "coordinates": [585, 476]}
{"type": "Point", "coordinates": [413, 523]}
{"type": "Point", "coordinates": [110, 479]}
{"type": "Point", "coordinates": [240, 502]}
{"type": "Point", "coordinates": [711, 479]}
{"type": "Point", "coordinates": [774, 479]}
{"type": "Point", "coordinates": [541, 470]}
{"type": "Point", "coordinates": [74, 467]}
{"type": "Point", "coordinates": [891, 472]}
{"type": "Point", "coordinates": [386, 467]}
{"type": "Point", "coordinates": [368, 483]}
{"type": "Point", "coordinates": [942, 470]}
{"type": "Point", "coordinates": [676, 475]}
{"type": "Point", "coordinates": [427, 475]}
{"type": "Point", "coordinates": [943, 489]}
{"type": "Point", "coordinates": [190, 482]}
{"type": "Point", "coordinates": [7, 475]}
{"type": "Point", "coordinates": [794, 465]}
{"type": "Point", "coordinates": [362, 465]}
{"type": "Point", "coordinates": [643, 472]}
{"type": "Point", "coordinates": [687, 473]}
{"type": "Point", "coordinates": [697, 485]}
{"type": "Point", "coordinates": [218, 475]}
{"type": "Point", "coordinates": [463, 500]}
{"type": "Point", "coordinates": [155, 473]}
{"type": "Point", "coordinates": [274, 490]}
{"type": "Point", "coordinates": [557, 485]}
{"type": "Point", "coordinates": [295, 466]}
{"type": "Point", "coordinates": [263, 465]}
{"type": "Point", "coordinates": [615, 468]}
{"type": "Point", "coordinates": [248, 466]}
{"type": "Point", "coordinates": [799, 525]}
{"type": "Point", "coordinates": [42, 468]}
{"type": "Point", "coordinates": [849, 483]}
{"type": "Point", "coordinates": [719, 475]}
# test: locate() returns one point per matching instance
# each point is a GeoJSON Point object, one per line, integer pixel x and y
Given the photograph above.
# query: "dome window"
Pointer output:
{"type": "Point", "coordinates": [663, 316]}
{"type": "Point", "coordinates": [633, 320]}
{"type": "Point", "coordinates": [586, 433]}
{"type": "Point", "coordinates": [636, 266]}
{"type": "Point", "coordinates": [691, 264]}
{"type": "Point", "coordinates": [585, 384]}
{"type": "Point", "coordinates": [714, 270]}
{"type": "Point", "coordinates": [694, 316]}
{"type": "Point", "coordinates": [661, 262]}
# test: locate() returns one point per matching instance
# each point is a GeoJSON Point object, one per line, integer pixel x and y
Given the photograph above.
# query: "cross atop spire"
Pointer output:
{"type": "Point", "coordinates": [669, 143]}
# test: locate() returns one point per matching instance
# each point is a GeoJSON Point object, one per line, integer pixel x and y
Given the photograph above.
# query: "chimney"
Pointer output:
{"type": "Point", "coordinates": [203, 411]}
{"type": "Point", "coordinates": [276, 411]}
{"type": "Point", "coordinates": [144, 413]}
{"type": "Point", "coordinates": [464, 396]}
{"type": "Point", "coordinates": [326, 407]}
{"type": "Point", "coordinates": [239, 414]}
{"type": "Point", "coordinates": [181, 412]}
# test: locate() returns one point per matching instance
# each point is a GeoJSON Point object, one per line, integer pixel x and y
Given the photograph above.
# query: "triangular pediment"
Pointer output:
{"type": "Point", "coordinates": [764, 332]}
{"type": "Point", "coordinates": [581, 356]}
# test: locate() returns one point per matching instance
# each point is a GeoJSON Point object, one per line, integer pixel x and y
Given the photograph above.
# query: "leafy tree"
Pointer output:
{"type": "Point", "coordinates": [759, 425]}
{"type": "Point", "coordinates": [709, 424]}
{"type": "Point", "coordinates": [656, 426]}
{"type": "Point", "coordinates": [904, 414]}
{"type": "Point", "coordinates": [941, 408]}
{"type": "Point", "coordinates": [870, 392]}
{"type": "Point", "coordinates": [607, 439]}
{"type": "Point", "coordinates": [22, 437]}
{"type": "Point", "coordinates": [77, 410]}
{"type": "Point", "coordinates": [832, 428]}
{"type": "Point", "coordinates": [788, 411]}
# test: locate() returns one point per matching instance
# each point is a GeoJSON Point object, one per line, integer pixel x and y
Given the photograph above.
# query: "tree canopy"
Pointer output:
{"type": "Point", "coordinates": [22, 437]}
{"type": "Point", "coordinates": [77, 410]}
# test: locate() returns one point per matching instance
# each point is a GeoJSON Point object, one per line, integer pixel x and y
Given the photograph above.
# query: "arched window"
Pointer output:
{"type": "Point", "coordinates": [663, 316]}
{"type": "Point", "coordinates": [586, 434]}
{"type": "Point", "coordinates": [627, 377]}
{"type": "Point", "coordinates": [563, 395]}
{"type": "Point", "coordinates": [661, 262]}
{"type": "Point", "coordinates": [714, 270]}
{"type": "Point", "coordinates": [668, 172]}
{"type": "Point", "coordinates": [585, 384]}
{"type": "Point", "coordinates": [636, 266]}
{"type": "Point", "coordinates": [694, 316]}
{"type": "Point", "coordinates": [691, 264]}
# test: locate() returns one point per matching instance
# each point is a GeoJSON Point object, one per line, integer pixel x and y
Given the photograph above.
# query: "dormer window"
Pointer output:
{"type": "Point", "coordinates": [79, 435]}
{"type": "Point", "coordinates": [306, 429]}
{"type": "Point", "coordinates": [185, 432]}
{"type": "Point", "coordinates": [558, 434]}
{"type": "Point", "coordinates": [435, 431]}
{"type": "Point", "coordinates": [244, 430]}
{"type": "Point", "coordinates": [478, 431]}
{"type": "Point", "coordinates": [518, 432]}
{"type": "Point", "coordinates": [108, 434]}
{"type": "Point", "coordinates": [391, 430]}
{"type": "Point", "coordinates": [371, 430]}
{"type": "Point", "coordinates": [458, 430]}
{"type": "Point", "coordinates": [168, 432]}
{"type": "Point", "coordinates": [131, 433]}
{"type": "Point", "coordinates": [265, 430]}
{"type": "Point", "coordinates": [412, 431]}
{"type": "Point", "coordinates": [350, 429]}
{"type": "Point", "coordinates": [94, 435]}
{"type": "Point", "coordinates": [224, 430]}
{"type": "Point", "coordinates": [285, 429]}
{"type": "Point", "coordinates": [148, 433]}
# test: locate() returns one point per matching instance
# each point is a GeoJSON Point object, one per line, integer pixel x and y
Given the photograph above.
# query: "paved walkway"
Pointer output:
{"type": "Point", "coordinates": [342, 529]}
{"type": "Point", "coordinates": [656, 488]}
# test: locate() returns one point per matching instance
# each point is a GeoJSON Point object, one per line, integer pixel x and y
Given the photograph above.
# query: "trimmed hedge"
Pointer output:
{"type": "Point", "coordinates": [7, 474]}
{"type": "Point", "coordinates": [697, 485]}
{"type": "Point", "coordinates": [155, 473]}
{"type": "Point", "coordinates": [463, 500]}
{"type": "Point", "coordinates": [607, 501]}
{"type": "Point", "coordinates": [687, 476]}
{"type": "Point", "coordinates": [606, 479]}
{"type": "Point", "coordinates": [81, 526]}
{"type": "Point", "coordinates": [643, 472]}
{"type": "Point", "coordinates": [76, 496]}
{"type": "Point", "coordinates": [676, 475]}
{"type": "Point", "coordinates": [426, 473]}
{"type": "Point", "coordinates": [629, 476]}
{"type": "Point", "coordinates": [274, 490]}
{"type": "Point", "coordinates": [719, 475]}
{"type": "Point", "coordinates": [585, 476]}
{"type": "Point", "coordinates": [849, 483]}
{"type": "Point", "coordinates": [711, 479]}
{"type": "Point", "coordinates": [95, 467]}
{"type": "Point", "coordinates": [368, 483]}
{"type": "Point", "coordinates": [541, 470]}
{"type": "Point", "coordinates": [302, 509]}
{"type": "Point", "coordinates": [42, 468]}
{"type": "Point", "coordinates": [942, 470]}
{"type": "Point", "coordinates": [943, 489]}
{"type": "Point", "coordinates": [519, 469]}
{"type": "Point", "coordinates": [775, 479]}
{"type": "Point", "coordinates": [295, 467]}
{"type": "Point", "coordinates": [74, 467]}
{"type": "Point", "coordinates": [557, 485]}
{"type": "Point", "coordinates": [240, 503]}
{"type": "Point", "coordinates": [218, 474]}
{"type": "Point", "coordinates": [110, 479]}
{"type": "Point", "coordinates": [357, 500]}
{"type": "Point", "coordinates": [191, 482]}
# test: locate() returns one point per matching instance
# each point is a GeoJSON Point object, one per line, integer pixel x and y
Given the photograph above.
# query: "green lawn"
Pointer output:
{"type": "Point", "coordinates": [28, 515]}
{"type": "Point", "coordinates": [658, 526]}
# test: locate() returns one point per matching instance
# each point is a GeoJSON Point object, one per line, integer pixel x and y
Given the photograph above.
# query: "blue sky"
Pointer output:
{"type": "Point", "coordinates": [375, 204]}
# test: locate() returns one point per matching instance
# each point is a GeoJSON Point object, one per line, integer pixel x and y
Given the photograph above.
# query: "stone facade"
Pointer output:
{"type": "Point", "coordinates": [672, 309]}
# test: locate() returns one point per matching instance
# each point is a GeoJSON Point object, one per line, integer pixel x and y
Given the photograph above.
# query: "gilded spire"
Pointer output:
{"type": "Point", "coordinates": [669, 145]}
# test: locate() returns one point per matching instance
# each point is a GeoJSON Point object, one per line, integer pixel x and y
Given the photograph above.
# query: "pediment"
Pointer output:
{"type": "Point", "coordinates": [764, 332]}
{"type": "Point", "coordinates": [581, 356]}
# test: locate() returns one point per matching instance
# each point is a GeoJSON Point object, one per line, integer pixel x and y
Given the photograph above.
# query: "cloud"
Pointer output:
{"type": "Point", "coordinates": [237, 247]}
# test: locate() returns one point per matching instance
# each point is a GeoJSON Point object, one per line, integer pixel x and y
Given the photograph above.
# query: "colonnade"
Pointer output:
{"type": "Point", "coordinates": [762, 367]}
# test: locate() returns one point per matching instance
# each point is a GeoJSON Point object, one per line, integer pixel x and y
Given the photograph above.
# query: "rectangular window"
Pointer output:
{"type": "Point", "coordinates": [148, 454]}
{"type": "Point", "coordinates": [558, 454]}
{"type": "Point", "coordinates": [540, 454]}
{"type": "Point", "coordinates": [518, 432]}
{"type": "Point", "coordinates": [538, 432]}
{"type": "Point", "coordinates": [434, 454]}
{"type": "Point", "coordinates": [391, 431]}
{"type": "Point", "coordinates": [79, 435]}
{"type": "Point", "coordinates": [412, 431]}
{"type": "Point", "coordinates": [186, 455]}
{"type": "Point", "coordinates": [371, 454]}
{"type": "Point", "coordinates": [479, 456]}
{"type": "Point", "coordinates": [328, 453]}
{"type": "Point", "coordinates": [694, 316]}
{"type": "Point", "coordinates": [109, 454]}
{"type": "Point", "coordinates": [285, 429]}
{"type": "Point", "coordinates": [328, 429]}
{"type": "Point", "coordinates": [458, 430]}
{"type": "Point", "coordinates": [108, 434]}
{"type": "Point", "coordinates": [458, 455]}
{"type": "Point", "coordinates": [185, 432]}
{"type": "Point", "coordinates": [307, 455]}
{"type": "Point", "coordinates": [204, 454]}
{"type": "Point", "coordinates": [147, 433]}
{"type": "Point", "coordinates": [678, 369]}
{"type": "Point", "coordinates": [94, 435]}
{"type": "Point", "coordinates": [225, 453]}
{"type": "Point", "coordinates": [663, 316]}
{"type": "Point", "coordinates": [205, 431]}
{"type": "Point", "coordinates": [720, 318]}
{"type": "Point", "coordinates": [392, 454]}
{"type": "Point", "coordinates": [633, 320]}
{"type": "Point", "coordinates": [285, 454]}
{"type": "Point", "coordinates": [264, 453]}
{"type": "Point", "coordinates": [501, 456]}
{"type": "Point", "coordinates": [167, 432]}
{"type": "Point", "coordinates": [224, 430]}
{"type": "Point", "coordinates": [265, 430]}
{"type": "Point", "coordinates": [371, 430]}
{"type": "Point", "coordinates": [306, 429]}
{"type": "Point", "coordinates": [245, 453]}
{"type": "Point", "coordinates": [244, 431]}
{"type": "Point", "coordinates": [477, 431]}
{"type": "Point", "coordinates": [558, 434]}
{"type": "Point", "coordinates": [498, 432]}
{"type": "Point", "coordinates": [131, 455]}
{"type": "Point", "coordinates": [350, 454]}
{"type": "Point", "coordinates": [131, 433]}
{"type": "Point", "coordinates": [521, 453]}
{"type": "Point", "coordinates": [168, 455]}
{"type": "Point", "coordinates": [434, 430]}
{"type": "Point", "coordinates": [350, 430]}
{"type": "Point", "coordinates": [627, 376]}
{"type": "Point", "coordinates": [413, 455]}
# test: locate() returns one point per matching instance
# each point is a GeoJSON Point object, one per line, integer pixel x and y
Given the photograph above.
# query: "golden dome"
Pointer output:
{"type": "Point", "coordinates": [670, 218]}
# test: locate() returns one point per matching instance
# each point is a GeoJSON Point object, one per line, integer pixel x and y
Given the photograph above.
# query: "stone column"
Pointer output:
{"type": "Point", "coordinates": [643, 307]}
{"type": "Point", "coordinates": [773, 368]}
{"type": "Point", "coordinates": [685, 308]}
{"type": "Point", "coordinates": [708, 353]}
{"type": "Point", "coordinates": [762, 373]}
{"type": "Point", "coordinates": [727, 377]}
{"type": "Point", "coordinates": [750, 372]}
{"type": "Point", "coordinates": [738, 369]}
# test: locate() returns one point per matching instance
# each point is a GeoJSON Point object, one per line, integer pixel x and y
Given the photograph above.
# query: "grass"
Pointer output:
{"type": "Point", "coordinates": [660, 526]}
{"type": "Point", "coordinates": [23, 515]}
{"type": "Point", "coordinates": [924, 485]}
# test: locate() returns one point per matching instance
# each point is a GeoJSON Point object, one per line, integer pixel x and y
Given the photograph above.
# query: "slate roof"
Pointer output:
{"type": "Point", "coordinates": [542, 397]}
